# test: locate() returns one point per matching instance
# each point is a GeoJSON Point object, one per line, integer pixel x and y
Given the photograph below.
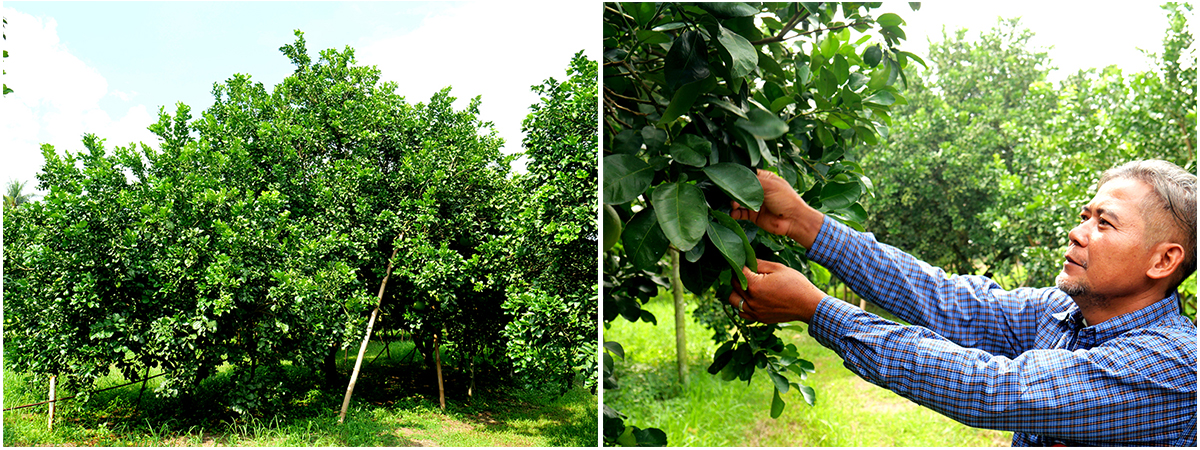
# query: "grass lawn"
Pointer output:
{"type": "Point", "coordinates": [849, 412]}
{"type": "Point", "coordinates": [395, 404]}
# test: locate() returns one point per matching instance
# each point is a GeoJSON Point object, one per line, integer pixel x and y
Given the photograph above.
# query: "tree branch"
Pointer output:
{"type": "Point", "coordinates": [614, 94]}
{"type": "Point", "coordinates": [781, 39]}
{"type": "Point", "coordinates": [786, 28]}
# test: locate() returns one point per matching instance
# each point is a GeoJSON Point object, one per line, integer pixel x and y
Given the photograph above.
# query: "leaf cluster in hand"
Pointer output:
{"type": "Point", "coordinates": [697, 96]}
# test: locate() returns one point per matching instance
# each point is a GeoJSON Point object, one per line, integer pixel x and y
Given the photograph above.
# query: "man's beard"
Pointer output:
{"type": "Point", "coordinates": [1082, 293]}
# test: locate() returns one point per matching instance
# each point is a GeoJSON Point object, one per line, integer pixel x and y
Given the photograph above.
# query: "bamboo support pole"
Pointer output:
{"type": "Point", "coordinates": [362, 350]}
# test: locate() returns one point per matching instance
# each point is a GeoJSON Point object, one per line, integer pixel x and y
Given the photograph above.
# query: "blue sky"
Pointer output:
{"type": "Point", "coordinates": [106, 68]}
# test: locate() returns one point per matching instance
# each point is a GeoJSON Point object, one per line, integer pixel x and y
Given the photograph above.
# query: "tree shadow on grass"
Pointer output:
{"type": "Point", "coordinates": [569, 421]}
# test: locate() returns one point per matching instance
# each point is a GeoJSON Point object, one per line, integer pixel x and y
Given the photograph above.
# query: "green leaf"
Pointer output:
{"type": "Point", "coordinates": [615, 348]}
{"type": "Point", "coordinates": [837, 195]}
{"type": "Point", "coordinates": [873, 55]}
{"type": "Point", "coordinates": [739, 182]}
{"type": "Point", "coordinates": [650, 437]}
{"type": "Point", "coordinates": [883, 98]}
{"type": "Point", "coordinates": [776, 405]}
{"type": "Point", "coordinates": [841, 68]}
{"type": "Point", "coordinates": [857, 81]}
{"type": "Point", "coordinates": [730, 246]}
{"type": "Point", "coordinates": [682, 213]}
{"type": "Point", "coordinates": [889, 20]}
{"type": "Point", "coordinates": [803, 74]}
{"type": "Point", "coordinates": [762, 124]}
{"type": "Point", "coordinates": [627, 141]}
{"type": "Point", "coordinates": [728, 10]}
{"type": "Point", "coordinates": [725, 219]}
{"type": "Point", "coordinates": [914, 56]}
{"type": "Point", "coordinates": [810, 396]}
{"type": "Point", "coordinates": [691, 150]}
{"type": "Point", "coordinates": [826, 83]}
{"type": "Point", "coordinates": [687, 61]}
{"type": "Point", "coordinates": [838, 121]}
{"type": "Point", "coordinates": [828, 46]}
{"type": "Point", "coordinates": [627, 439]}
{"type": "Point", "coordinates": [653, 138]}
{"type": "Point", "coordinates": [644, 240]}
{"type": "Point", "coordinates": [820, 275]}
{"type": "Point", "coordinates": [684, 98]}
{"type": "Point", "coordinates": [721, 358]}
{"type": "Point", "coordinates": [781, 382]}
{"type": "Point", "coordinates": [770, 65]}
{"type": "Point", "coordinates": [625, 177]}
{"type": "Point", "coordinates": [648, 317]}
{"type": "Point", "coordinates": [744, 57]}
{"type": "Point", "coordinates": [780, 103]}
{"type": "Point", "coordinates": [642, 12]}
{"type": "Point", "coordinates": [727, 106]}
{"type": "Point", "coordinates": [653, 37]}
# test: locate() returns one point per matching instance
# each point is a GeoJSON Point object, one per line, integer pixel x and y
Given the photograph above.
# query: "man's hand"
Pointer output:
{"type": "Point", "coordinates": [783, 212]}
{"type": "Point", "coordinates": [777, 293]}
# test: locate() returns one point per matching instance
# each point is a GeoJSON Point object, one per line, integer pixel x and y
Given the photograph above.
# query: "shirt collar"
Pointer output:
{"type": "Point", "coordinates": [1072, 318]}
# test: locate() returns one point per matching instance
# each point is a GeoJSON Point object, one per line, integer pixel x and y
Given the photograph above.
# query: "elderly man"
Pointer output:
{"type": "Point", "coordinates": [1104, 358]}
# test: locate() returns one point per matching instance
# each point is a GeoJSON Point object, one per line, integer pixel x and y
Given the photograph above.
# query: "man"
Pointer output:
{"type": "Point", "coordinates": [1103, 358]}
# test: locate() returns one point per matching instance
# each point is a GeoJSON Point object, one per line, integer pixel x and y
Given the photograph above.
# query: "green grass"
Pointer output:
{"type": "Point", "coordinates": [395, 404]}
{"type": "Point", "coordinates": [849, 412]}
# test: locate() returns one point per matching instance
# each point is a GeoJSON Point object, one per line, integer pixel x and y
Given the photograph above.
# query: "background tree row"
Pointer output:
{"type": "Point", "coordinates": [989, 162]}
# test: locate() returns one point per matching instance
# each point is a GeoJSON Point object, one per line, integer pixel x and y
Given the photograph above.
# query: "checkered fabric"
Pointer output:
{"type": "Point", "coordinates": [1020, 360]}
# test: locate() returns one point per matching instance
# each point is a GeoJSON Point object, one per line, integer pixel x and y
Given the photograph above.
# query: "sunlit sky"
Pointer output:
{"type": "Point", "coordinates": [106, 68]}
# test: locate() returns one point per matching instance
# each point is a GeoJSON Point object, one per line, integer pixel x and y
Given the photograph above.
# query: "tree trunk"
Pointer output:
{"type": "Point", "coordinates": [471, 387]}
{"type": "Point", "coordinates": [329, 367]}
{"type": "Point", "coordinates": [362, 350]}
{"type": "Point", "coordinates": [437, 353]}
{"type": "Point", "coordinates": [680, 325]}
{"type": "Point", "coordinates": [143, 390]}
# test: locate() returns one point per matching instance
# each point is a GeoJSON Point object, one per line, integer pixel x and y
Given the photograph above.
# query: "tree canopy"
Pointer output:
{"type": "Point", "coordinates": [260, 231]}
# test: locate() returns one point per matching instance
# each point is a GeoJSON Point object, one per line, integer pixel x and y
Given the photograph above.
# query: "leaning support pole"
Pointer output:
{"type": "Point", "coordinates": [366, 338]}
{"type": "Point", "coordinates": [50, 418]}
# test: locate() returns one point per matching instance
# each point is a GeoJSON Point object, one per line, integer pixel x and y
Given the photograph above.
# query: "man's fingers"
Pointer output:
{"type": "Point", "coordinates": [741, 213]}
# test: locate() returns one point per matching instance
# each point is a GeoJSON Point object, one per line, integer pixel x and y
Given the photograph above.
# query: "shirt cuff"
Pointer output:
{"type": "Point", "coordinates": [832, 237]}
{"type": "Point", "coordinates": [831, 321]}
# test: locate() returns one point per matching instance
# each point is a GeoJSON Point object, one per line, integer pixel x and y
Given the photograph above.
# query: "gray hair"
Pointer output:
{"type": "Point", "coordinates": [1175, 204]}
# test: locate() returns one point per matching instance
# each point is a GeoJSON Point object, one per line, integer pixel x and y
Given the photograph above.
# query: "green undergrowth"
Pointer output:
{"type": "Point", "coordinates": [708, 412]}
{"type": "Point", "coordinates": [395, 403]}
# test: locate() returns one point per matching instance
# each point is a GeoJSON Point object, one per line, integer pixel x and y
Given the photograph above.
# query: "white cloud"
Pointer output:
{"type": "Point", "coordinates": [55, 100]}
{"type": "Point", "coordinates": [485, 49]}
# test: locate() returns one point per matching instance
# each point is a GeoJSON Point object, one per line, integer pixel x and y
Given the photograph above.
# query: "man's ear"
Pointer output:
{"type": "Point", "coordinates": [1165, 259]}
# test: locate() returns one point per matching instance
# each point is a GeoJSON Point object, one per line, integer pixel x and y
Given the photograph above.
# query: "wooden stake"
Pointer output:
{"type": "Point", "coordinates": [50, 419]}
{"type": "Point", "coordinates": [362, 350]}
{"type": "Point", "coordinates": [437, 355]}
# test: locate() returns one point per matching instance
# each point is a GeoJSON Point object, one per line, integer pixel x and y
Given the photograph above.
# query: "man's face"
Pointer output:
{"type": "Point", "coordinates": [1108, 256]}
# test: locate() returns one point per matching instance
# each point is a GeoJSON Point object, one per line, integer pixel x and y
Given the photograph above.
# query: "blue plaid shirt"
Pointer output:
{"type": "Point", "coordinates": [1020, 360]}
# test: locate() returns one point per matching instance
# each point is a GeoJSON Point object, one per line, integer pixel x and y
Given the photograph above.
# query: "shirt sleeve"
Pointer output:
{"type": "Point", "coordinates": [972, 311]}
{"type": "Point", "coordinates": [1132, 389]}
